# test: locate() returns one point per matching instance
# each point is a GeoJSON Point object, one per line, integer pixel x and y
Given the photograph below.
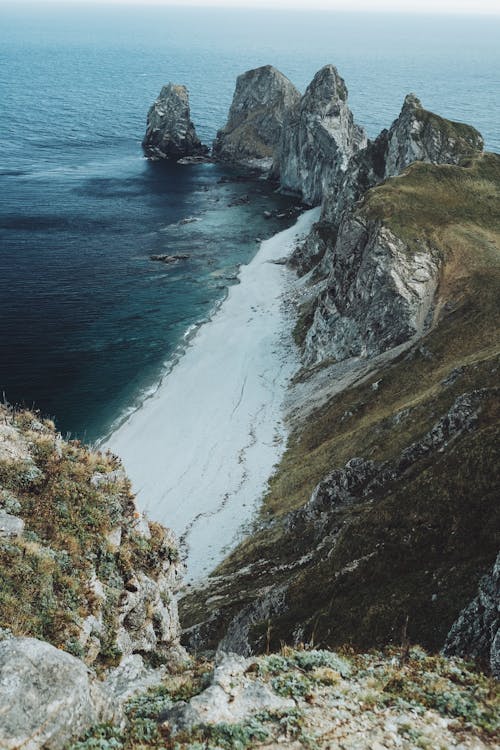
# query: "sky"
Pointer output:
{"type": "Point", "coordinates": [424, 6]}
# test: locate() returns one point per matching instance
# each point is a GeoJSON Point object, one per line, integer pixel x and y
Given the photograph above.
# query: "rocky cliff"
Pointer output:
{"type": "Point", "coordinates": [261, 101]}
{"type": "Point", "coordinates": [378, 293]}
{"type": "Point", "coordinates": [476, 632]}
{"type": "Point", "coordinates": [416, 135]}
{"type": "Point", "coordinates": [318, 139]}
{"type": "Point", "coordinates": [384, 506]}
{"type": "Point", "coordinates": [81, 568]}
{"type": "Point", "coordinates": [87, 582]}
{"type": "Point", "coordinates": [170, 134]}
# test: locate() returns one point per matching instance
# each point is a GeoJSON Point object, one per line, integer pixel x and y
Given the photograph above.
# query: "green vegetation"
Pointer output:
{"type": "Point", "coordinates": [418, 546]}
{"type": "Point", "coordinates": [71, 499]}
{"type": "Point", "coordinates": [372, 688]}
{"type": "Point", "coordinates": [466, 139]}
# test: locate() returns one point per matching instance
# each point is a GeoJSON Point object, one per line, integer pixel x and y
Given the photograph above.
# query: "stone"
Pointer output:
{"type": "Point", "coordinates": [170, 134]}
{"type": "Point", "coordinates": [318, 139]}
{"type": "Point", "coordinates": [132, 676]}
{"type": "Point", "coordinates": [10, 526]}
{"type": "Point", "coordinates": [232, 698]}
{"type": "Point", "coordinates": [261, 101]}
{"type": "Point", "coordinates": [48, 697]}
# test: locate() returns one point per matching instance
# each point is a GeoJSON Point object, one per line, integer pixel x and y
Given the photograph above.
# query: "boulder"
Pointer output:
{"type": "Point", "coordinates": [10, 526]}
{"type": "Point", "coordinates": [47, 696]}
{"type": "Point", "coordinates": [170, 134]}
{"type": "Point", "coordinates": [261, 101]}
{"type": "Point", "coordinates": [233, 697]}
{"type": "Point", "coordinates": [318, 138]}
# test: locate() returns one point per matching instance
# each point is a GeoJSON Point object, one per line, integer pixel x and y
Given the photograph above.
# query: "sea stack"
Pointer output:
{"type": "Point", "coordinates": [170, 134]}
{"type": "Point", "coordinates": [261, 101]}
{"type": "Point", "coordinates": [318, 139]}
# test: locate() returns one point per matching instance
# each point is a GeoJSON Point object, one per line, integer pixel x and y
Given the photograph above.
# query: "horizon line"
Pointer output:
{"type": "Point", "coordinates": [342, 7]}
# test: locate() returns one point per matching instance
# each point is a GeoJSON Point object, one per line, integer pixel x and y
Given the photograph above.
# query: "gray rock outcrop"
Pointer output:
{"type": "Point", "coordinates": [319, 138]}
{"type": "Point", "coordinates": [377, 295]}
{"type": "Point", "coordinates": [233, 697]}
{"type": "Point", "coordinates": [47, 696]}
{"type": "Point", "coordinates": [261, 101]}
{"type": "Point", "coordinates": [170, 134]}
{"type": "Point", "coordinates": [476, 632]}
{"type": "Point", "coordinates": [10, 526]}
{"type": "Point", "coordinates": [416, 135]}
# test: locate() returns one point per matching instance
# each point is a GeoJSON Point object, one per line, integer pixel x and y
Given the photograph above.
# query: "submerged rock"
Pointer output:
{"type": "Point", "coordinates": [170, 134]}
{"type": "Point", "coordinates": [261, 101]}
{"type": "Point", "coordinates": [165, 258]}
{"type": "Point", "coordinates": [318, 139]}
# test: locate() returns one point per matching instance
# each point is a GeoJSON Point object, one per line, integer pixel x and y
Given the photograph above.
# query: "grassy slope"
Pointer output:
{"type": "Point", "coordinates": [431, 537]}
{"type": "Point", "coordinates": [45, 574]}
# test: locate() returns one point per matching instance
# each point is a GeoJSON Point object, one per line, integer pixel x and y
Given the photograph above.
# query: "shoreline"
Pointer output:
{"type": "Point", "coordinates": [201, 449]}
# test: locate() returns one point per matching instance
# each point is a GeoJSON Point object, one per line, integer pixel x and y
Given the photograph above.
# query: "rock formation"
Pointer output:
{"type": "Point", "coordinates": [170, 134]}
{"type": "Point", "coordinates": [48, 697]}
{"type": "Point", "coordinates": [261, 101]}
{"type": "Point", "coordinates": [416, 135]}
{"type": "Point", "coordinates": [476, 632]}
{"type": "Point", "coordinates": [318, 139]}
{"type": "Point", "coordinates": [377, 294]}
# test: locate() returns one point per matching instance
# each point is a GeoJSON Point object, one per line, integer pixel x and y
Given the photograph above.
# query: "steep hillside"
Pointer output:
{"type": "Point", "coordinates": [384, 510]}
{"type": "Point", "coordinates": [80, 567]}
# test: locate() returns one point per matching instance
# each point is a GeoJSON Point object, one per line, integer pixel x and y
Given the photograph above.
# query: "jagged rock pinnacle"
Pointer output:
{"type": "Point", "coordinates": [170, 134]}
{"type": "Point", "coordinates": [262, 98]}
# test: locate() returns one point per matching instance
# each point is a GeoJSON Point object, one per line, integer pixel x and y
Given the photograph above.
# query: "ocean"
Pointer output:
{"type": "Point", "coordinates": [88, 322]}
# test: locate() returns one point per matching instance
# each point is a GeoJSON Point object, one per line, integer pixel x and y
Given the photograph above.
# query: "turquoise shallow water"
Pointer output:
{"type": "Point", "coordinates": [87, 321]}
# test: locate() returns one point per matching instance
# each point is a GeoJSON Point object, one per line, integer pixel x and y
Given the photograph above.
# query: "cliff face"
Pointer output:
{"type": "Point", "coordinates": [476, 631]}
{"type": "Point", "coordinates": [80, 566]}
{"type": "Point", "coordinates": [170, 134]}
{"type": "Point", "coordinates": [416, 135]}
{"type": "Point", "coordinates": [261, 101]}
{"type": "Point", "coordinates": [318, 139]}
{"type": "Point", "coordinates": [384, 506]}
{"type": "Point", "coordinates": [379, 293]}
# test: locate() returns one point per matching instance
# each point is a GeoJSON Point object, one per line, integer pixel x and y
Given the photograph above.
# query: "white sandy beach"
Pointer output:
{"type": "Point", "coordinates": [200, 451]}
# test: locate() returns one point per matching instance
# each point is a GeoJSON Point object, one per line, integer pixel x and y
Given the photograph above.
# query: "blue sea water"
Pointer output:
{"type": "Point", "coordinates": [88, 322]}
